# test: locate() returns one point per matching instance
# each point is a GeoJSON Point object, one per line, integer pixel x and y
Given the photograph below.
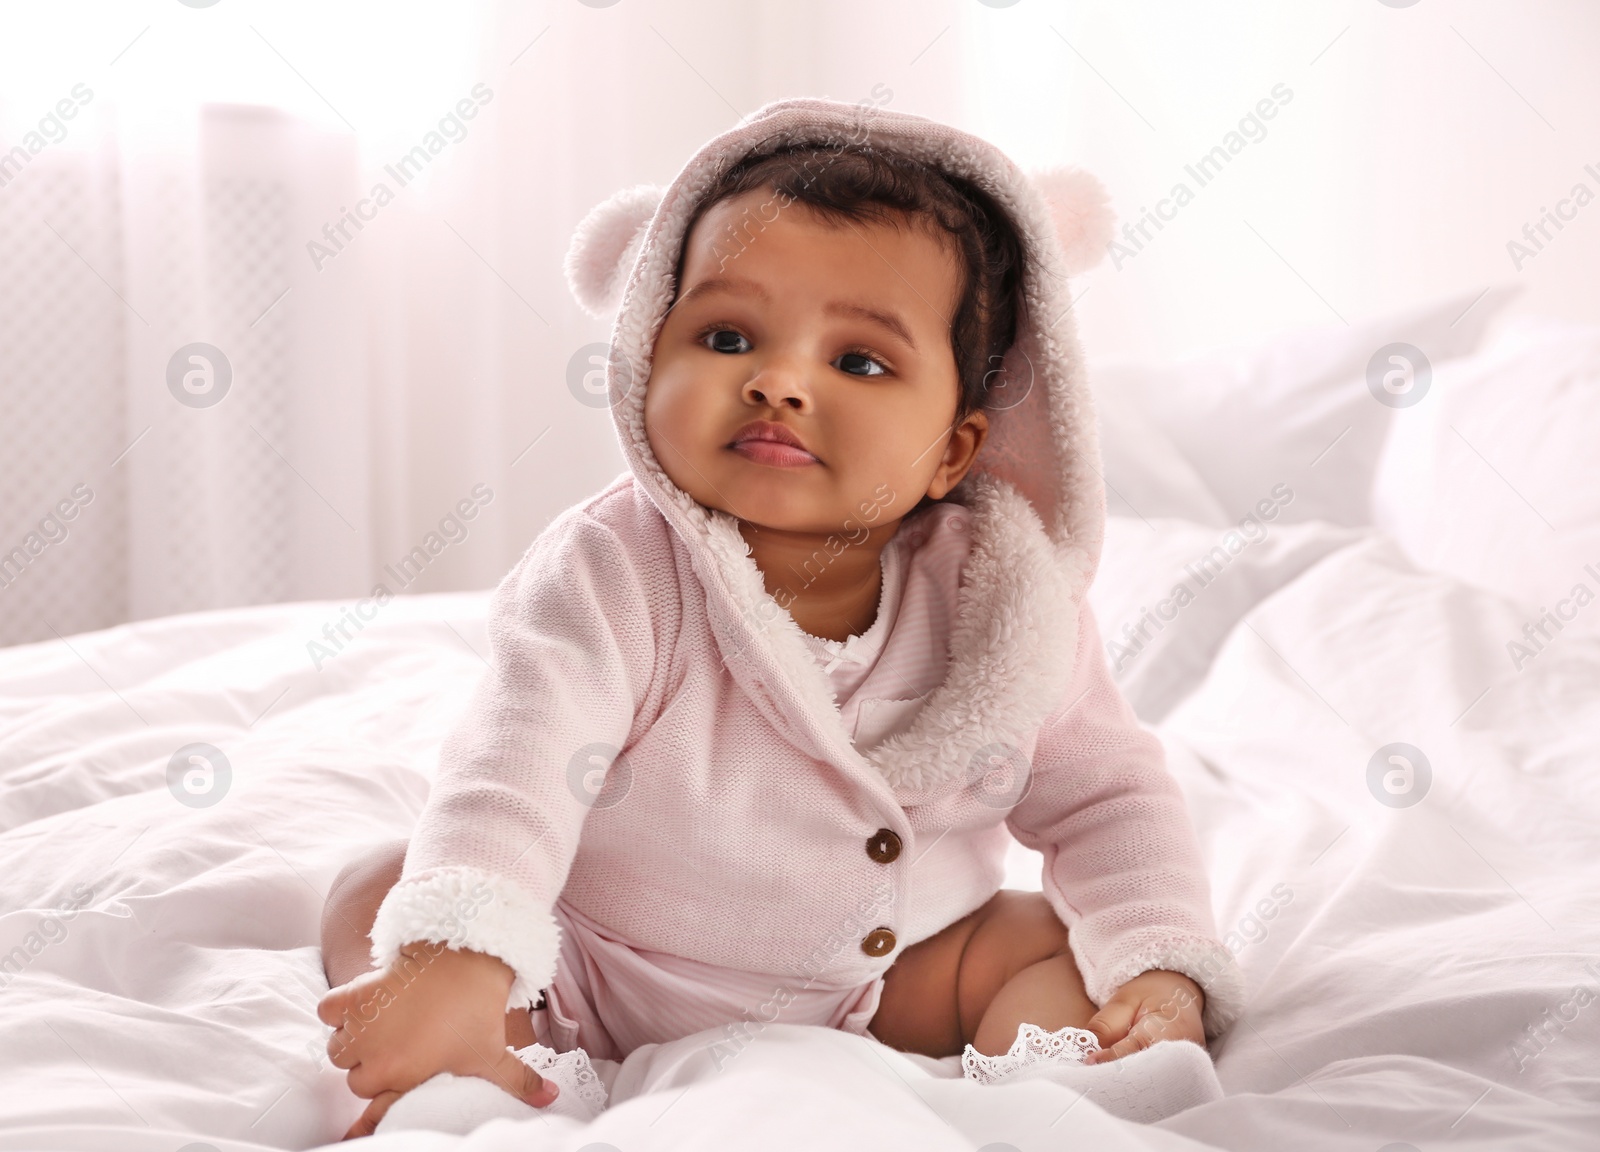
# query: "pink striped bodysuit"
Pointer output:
{"type": "Point", "coordinates": [609, 997]}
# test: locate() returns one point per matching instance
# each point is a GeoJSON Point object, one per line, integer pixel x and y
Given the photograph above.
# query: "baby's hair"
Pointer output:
{"type": "Point", "coordinates": [857, 182]}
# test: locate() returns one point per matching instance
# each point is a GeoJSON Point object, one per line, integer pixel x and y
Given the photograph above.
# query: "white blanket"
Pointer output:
{"type": "Point", "coordinates": [1398, 956]}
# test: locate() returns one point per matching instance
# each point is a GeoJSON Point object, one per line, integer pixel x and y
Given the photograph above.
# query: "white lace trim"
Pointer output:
{"type": "Point", "coordinates": [572, 1073]}
{"type": "Point", "coordinates": [1033, 1046]}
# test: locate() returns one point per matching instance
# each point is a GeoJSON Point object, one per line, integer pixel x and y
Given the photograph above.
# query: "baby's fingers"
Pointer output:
{"type": "Point", "coordinates": [520, 1080]}
{"type": "Point", "coordinates": [1151, 1027]}
{"type": "Point", "coordinates": [1138, 1037]}
{"type": "Point", "coordinates": [1112, 1022]}
{"type": "Point", "coordinates": [1146, 1031]}
{"type": "Point", "coordinates": [362, 996]}
{"type": "Point", "coordinates": [333, 1007]}
{"type": "Point", "coordinates": [342, 1050]}
{"type": "Point", "coordinates": [367, 1123]}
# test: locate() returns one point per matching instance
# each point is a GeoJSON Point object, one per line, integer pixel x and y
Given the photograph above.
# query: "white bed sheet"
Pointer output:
{"type": "Point", "coordinates": [1415, 947]}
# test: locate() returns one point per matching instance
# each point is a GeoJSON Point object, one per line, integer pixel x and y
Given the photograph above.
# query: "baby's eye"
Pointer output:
{"type": "Point", "coordinates": [727, 340]}
{"type": "Point", "coordinates": [858, 364]}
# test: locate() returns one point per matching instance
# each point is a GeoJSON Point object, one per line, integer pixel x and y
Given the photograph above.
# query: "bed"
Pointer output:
{"type": "Point", "coordinates": [1400, 813]}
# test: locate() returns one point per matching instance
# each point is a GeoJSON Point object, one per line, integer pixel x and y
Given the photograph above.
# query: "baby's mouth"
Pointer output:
{"type": "Point", "coordinates": [770, 443]}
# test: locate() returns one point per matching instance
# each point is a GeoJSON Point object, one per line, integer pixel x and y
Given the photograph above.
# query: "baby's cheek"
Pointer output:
{"type": "Point", "coordinates": [673, 430]}
{"type": "Point", "coordinates": [660, 403]}
{"type": "Point", "coordinates": [666, 438]}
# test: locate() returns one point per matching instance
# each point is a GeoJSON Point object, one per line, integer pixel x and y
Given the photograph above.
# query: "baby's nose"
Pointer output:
{"type": "Point", "coordinates": [778, 387]}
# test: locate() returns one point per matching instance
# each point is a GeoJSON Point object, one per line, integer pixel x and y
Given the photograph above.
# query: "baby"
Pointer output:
{"type": "Point", "coordinates": [764, 715]}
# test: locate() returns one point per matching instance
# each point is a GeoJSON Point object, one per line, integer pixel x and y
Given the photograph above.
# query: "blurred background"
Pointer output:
{"type": "Point", "coordinates": [280, 284]}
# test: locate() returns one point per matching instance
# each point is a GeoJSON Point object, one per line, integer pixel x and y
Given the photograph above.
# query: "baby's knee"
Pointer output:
{"type": "Point", "coordinates": [352, 906]}
{"type": "Point", "coordinates": [375, 870]}
{"type": "Point", "coordinates": [358, 889]}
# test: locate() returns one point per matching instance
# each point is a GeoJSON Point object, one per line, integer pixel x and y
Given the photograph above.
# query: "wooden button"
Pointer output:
{"type": "Point", "coordinates": [883, 846]}
{"type": "Point", "coordinates": [878, 942]}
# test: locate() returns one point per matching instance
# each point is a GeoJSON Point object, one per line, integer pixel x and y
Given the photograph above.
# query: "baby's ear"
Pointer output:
{"type": "Point", "coordinates": [1081, 209]}
{"type": "Point", "coordinates": [605, 245]}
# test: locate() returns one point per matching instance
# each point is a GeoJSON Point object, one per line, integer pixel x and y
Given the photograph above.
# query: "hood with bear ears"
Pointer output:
{"type": "Point", "coordinates": [1035, 491]}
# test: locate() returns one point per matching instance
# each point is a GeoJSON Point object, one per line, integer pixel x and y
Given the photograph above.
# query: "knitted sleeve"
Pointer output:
{"type": "Point", "coordinates": [573, 651]}
{"type": "Point", "coordinates": [1122, 864]}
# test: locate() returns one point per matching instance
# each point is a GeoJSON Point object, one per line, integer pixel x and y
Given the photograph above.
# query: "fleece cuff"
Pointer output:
{"type": "Point", "coordinates": [469, 909]}
{"type": "Point", "coordinates": [1203, 960]}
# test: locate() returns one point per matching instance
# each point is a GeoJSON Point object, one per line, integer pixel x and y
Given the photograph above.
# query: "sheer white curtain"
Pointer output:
{"type": "Point", "coordinates": [186, 404]}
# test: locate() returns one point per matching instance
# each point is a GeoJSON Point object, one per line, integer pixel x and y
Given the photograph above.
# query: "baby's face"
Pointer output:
{"type": "Point", "coordinates": [833, 337]}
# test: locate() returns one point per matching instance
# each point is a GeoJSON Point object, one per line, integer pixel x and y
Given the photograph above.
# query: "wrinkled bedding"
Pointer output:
{"type": "Point", "coordinates": [1421, 937]}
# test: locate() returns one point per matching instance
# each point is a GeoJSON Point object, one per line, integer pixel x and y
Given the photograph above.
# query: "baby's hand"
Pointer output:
{"type": "Point", "coordinates": [435, 1009]}
{"type": "Point", "coordinates": [1152, 1006]}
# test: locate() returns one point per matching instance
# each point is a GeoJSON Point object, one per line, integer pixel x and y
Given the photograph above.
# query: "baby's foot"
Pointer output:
{"type": "Point", "coordinates": [460, 1104]}
{"type": "Point", "coordinates": [1033, 1046]}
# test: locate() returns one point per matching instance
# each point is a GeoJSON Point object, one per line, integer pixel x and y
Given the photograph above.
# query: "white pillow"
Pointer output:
{"type": "Point", "coordinates": [1297, 410]}
{"type": "Point", "coordinates": [1145, 474]}
{"type": "Point", "coordinates": [1495, 478]}
{"type": "Point", "coordinates": [1168, 592]}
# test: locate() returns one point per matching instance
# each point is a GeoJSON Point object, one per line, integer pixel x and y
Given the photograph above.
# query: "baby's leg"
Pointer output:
{"type": "Point", "coordinates": [347, 919]}
{"type": "Point", "coordinates": [351, 908]}
{"type": "Point", "coordinates": [980, 978]}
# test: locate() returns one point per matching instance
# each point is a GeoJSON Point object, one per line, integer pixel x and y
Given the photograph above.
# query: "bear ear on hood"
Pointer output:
{"type": "Point", "coordinates": [1081, 209]}
{"type": "Point", "coordinates": [604, 246]}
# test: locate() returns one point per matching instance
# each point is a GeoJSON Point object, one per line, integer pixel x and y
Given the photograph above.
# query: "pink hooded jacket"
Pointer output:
{"type": "Point", "coordinates": [737, 824]}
